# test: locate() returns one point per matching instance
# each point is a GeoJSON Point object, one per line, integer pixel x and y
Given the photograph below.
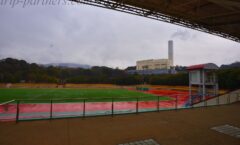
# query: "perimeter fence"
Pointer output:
{"type": "Point", "coordinates": [18, 110]}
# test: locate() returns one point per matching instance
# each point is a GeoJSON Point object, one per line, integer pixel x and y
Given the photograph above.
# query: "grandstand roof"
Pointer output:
{"type": "Point", "coordinates": [218, 17]}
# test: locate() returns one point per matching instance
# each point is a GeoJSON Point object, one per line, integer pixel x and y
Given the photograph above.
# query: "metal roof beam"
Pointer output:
{"type": "Point", "coordinates": [198, 7]}
{"type": "Point", "coordinates": [219, 15]}
{"type": "Point", "coordinates": [229, 4]}
{"type": "Point", "coordinates": [184, 4]}
{"type": "Point", "coordinates": [226, 23]}
{"type": "Point", "coordinates": [124, 6]}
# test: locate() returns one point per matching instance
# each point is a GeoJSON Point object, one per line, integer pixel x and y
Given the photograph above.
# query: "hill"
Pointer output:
{"type": "Point", "coordinates": [233, 65]}
{"type": "Point", "coordinates": [68, 65]}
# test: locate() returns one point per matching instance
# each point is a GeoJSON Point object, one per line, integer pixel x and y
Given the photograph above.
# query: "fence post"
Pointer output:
{"type": "Point", "coordinates": [176, 105]}
{"type": "Point", "coordinates": [51, 108]}
{"type": "Point", "coordinates": [205, 102]}
{"type": "Point", "coordinates": [84, 108]}
{"type": "Point", "coordinates": [17, 113]}
{"type": "Point", "coordinates": [137, 106]}
{"type": "Point", "coordinates": [229, 98]}
{"type": "Point", "coordinates": [112, 106]}
{"type": "Point", "coordinates": [158, 107]}
{"type": "Point", "coordinates": [236, 96]}
{"type": "Point", "coordinates": [191, 101]}
{"type": "Point", "coordinates": [218, 100]}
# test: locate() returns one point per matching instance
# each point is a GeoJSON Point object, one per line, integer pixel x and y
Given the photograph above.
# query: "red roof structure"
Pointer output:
{"type": "Point", "coordinates": [209, 66]}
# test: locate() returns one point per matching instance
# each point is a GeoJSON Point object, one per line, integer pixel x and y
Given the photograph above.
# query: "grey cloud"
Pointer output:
{"type": "Point", "coordinates": [95, 36]}
{"type": "Point", "coordinates": [183, 34]}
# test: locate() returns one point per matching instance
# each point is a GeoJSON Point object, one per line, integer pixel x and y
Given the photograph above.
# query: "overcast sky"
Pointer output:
{"type": "Point", "coordinates": [89, 35]}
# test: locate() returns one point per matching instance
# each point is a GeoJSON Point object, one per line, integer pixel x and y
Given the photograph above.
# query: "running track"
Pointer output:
{"type": "Point", "coordinates": [42, 110]}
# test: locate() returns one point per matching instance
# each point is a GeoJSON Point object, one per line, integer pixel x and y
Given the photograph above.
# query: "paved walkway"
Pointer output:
{"type": "Point", "coordinates": [181, 127]}
{"type": "Point", "coordinates": [142, 142]}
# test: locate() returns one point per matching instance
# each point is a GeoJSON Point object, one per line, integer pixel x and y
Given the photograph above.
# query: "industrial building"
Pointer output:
{"type": "Point", "coordinates": [153, 64]}
{"type": "Point", "coordinates": [156, 66]}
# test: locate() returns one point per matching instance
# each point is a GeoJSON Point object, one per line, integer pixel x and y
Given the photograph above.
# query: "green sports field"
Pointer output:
{"type": "Point", "coordinates": [99, 95]}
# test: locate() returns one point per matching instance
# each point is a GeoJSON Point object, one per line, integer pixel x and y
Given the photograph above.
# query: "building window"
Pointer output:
{"type": "Point", "coordinates": [145, 67]}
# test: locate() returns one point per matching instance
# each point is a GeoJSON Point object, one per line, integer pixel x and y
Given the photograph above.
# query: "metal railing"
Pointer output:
{"type": "Point", "coordinates": [84, 107]}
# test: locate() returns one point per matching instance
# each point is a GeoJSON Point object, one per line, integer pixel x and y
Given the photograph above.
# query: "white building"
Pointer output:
{"type": "Point", "coordinates": [153, 64]}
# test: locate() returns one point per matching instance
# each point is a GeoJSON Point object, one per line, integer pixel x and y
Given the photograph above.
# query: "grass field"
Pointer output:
{"type": "Point", "coordinates": [99, 95]}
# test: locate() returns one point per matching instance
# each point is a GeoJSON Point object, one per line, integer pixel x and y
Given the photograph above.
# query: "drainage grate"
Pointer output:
{"type": "Point", "coordinates": [142, 142]}
{"type": "Point", "coordinates": [228, 129]}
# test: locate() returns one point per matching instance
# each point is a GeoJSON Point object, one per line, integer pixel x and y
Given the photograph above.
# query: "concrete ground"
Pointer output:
{"type": "Point", "coordinates": [182, 127]}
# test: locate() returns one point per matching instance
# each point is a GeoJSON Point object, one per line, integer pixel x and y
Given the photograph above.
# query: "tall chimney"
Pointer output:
{"type": "Point", "coordinates": [170, 52]}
